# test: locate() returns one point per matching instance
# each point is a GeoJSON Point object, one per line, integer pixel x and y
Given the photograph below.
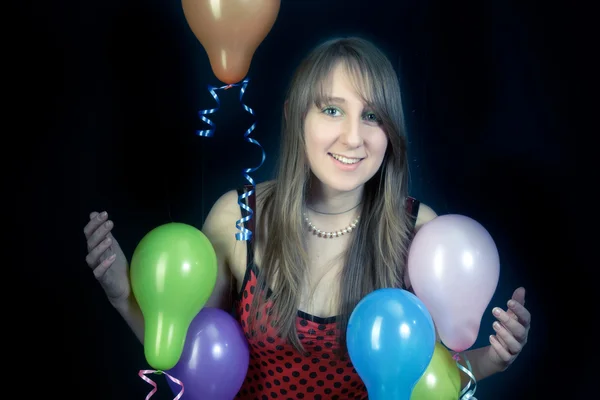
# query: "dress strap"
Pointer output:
{"type": "Point", "coordinates": [412, 207]}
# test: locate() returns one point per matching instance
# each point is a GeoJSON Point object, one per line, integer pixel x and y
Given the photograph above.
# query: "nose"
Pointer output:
{"type": "Point", "coordinates": [351, 135]}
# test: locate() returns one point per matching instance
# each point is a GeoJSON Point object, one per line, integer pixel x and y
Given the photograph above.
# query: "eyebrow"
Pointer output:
{"type": "Point", "coordinates": [329, 99]}
{"type": "Point", "coordinates": [341, 100]}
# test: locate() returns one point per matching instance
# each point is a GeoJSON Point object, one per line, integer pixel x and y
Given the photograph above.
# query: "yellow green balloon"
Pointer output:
{"type": "Point", "coordinates": [173, 273]}
{"type": "Point", "coordinates": [441, 379]}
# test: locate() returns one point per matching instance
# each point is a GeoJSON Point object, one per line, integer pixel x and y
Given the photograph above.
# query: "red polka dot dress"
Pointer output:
{"type": "Point", "coordinates": [277, 370]}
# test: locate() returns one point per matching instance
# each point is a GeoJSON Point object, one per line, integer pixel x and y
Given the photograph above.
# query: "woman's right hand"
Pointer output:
{"type": "Point", "coordinates": [106, 258]}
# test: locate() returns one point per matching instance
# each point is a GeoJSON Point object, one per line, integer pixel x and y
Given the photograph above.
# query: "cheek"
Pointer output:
{"type": "Point", "coordinates": [313, 145]}
{"type": "Point", "coordinates": [309, 132]}
{"type": "Point", "coordinates": [311, 140]}
{"type": "Point", "coordinates": [379, 144]}
{"type": "Point", "coordinates": [317, 138]}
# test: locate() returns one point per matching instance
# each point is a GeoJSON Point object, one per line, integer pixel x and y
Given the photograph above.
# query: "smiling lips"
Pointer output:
{"type": "Point", "coordinates": [345, 160]}
{"type": "Point", "coordinates": [345, 163]}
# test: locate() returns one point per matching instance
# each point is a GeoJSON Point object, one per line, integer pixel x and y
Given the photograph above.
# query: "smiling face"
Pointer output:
{"type": "Point", "coordinates": [345, 142]}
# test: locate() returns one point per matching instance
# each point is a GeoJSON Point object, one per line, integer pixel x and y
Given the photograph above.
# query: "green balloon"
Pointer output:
{"type": "Point", "coordinates": [173, 273]}
{"type": "Point", "coordinates": [441, 379]}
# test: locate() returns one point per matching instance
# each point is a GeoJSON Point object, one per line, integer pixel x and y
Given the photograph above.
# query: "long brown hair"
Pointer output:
{"type": "Point", "coordinates": [376, 255]}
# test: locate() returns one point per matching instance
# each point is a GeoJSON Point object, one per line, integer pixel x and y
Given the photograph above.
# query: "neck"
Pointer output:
{"type": "Point", "coordinates": [325, 200]}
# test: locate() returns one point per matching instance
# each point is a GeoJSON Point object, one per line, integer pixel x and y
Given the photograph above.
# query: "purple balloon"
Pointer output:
{"type": "Point", "coordinates": [215, 358]}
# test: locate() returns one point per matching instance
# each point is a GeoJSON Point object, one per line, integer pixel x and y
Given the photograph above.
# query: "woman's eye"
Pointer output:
{"type": "Point", "coordinates": [371, 117]}
{"type": "Point", "coordinates": [332, 111]}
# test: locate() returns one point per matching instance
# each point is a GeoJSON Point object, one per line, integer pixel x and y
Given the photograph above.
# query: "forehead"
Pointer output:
{"type": "Point", "coordinates": [345, 82]}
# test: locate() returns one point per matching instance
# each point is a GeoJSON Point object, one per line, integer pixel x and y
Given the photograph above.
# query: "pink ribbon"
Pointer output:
{"type": "Point", "coordinates": [143, 373]}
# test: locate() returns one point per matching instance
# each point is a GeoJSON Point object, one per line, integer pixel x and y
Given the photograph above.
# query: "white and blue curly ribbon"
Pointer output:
{"type": "Point", "coordinates": [244, 234]}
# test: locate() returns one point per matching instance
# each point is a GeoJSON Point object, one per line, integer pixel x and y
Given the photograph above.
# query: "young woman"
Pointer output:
{"type": "Point", "coordinates": [334, 226]}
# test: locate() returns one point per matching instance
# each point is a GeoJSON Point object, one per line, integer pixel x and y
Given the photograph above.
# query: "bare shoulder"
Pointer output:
{"type": "Point", "coordinates": [225, 207]}
{"type": "Point", "coordinates": [219, 225]}
{"type": "Point", "coordinates": [425, 215]}
{"type": "Point", "coordinates": [220, 228]}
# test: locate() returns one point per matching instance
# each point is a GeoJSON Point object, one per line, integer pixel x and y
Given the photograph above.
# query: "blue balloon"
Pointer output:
{"type": "Point", "coordinates": [391, 339]}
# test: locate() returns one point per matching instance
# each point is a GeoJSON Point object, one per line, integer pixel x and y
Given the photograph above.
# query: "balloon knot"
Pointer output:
{"type": "Point", "coordinates": [228, 87]}
{"type": "Point", "coordinates": [456, 357]}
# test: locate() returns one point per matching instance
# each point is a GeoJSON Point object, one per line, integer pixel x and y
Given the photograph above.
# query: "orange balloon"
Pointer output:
{"type": "Point", "coordinates": [230, 31]}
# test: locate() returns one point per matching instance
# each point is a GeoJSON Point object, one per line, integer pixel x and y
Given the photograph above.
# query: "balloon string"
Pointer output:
{"type": "Point", "coordinates": [202, 113]}
{"type": "Point", "coordinates": [244, 234]}
{"type": "Point", "coordinates": [467, 393]}
{"type": "Point", "coordinates": [143, 373]}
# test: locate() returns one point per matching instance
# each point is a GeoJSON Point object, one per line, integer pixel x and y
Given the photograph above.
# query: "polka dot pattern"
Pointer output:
{"type": "Point", "coordinates": [278, 371]}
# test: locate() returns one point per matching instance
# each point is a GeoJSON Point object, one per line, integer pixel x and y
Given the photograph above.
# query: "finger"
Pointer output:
{"type": "Point", "coordinates": [93, 256]}
{"type": "Point", "coordinates": [509, 341]}
{"type": "Point", "coordinates": [512, 314]}
{"type": "Point", "coordinates": [94, 223]}
{"type": "Point", "coordinates": [511, 324]}
{"type": "Point", "coordinates": [519, 295]}
{"type": "Point", "coordinates": [502, 342]}
{"type": "Point", "coordinates": [101, 269]}
{"type": "Point", "coordinates": [499, 349]}
{"type": "Point", "coordinates": [99, 234]}
{"type": "Point", "coordinates": [518, 309]}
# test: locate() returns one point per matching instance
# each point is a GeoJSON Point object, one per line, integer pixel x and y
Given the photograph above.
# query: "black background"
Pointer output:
{"type": "Point", "coordinates": [107, 95]}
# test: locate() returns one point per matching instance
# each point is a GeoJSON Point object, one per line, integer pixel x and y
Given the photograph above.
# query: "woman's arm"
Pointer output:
{"type": "Point", "coordinates": [481, 367]}
{"type": "Point", "coordinates": [132, 314]}
{"type": "Point", "coordinates": [219, 228]}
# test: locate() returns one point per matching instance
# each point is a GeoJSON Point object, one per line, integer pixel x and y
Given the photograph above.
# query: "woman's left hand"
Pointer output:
{"type": "Point", "coordinates": [512, 329]}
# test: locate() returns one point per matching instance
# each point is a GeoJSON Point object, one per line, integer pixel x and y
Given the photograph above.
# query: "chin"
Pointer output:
{"type": "Point", "coordinates": [342, 181]}
{"type": "Point", "coordinates": [348, 185]}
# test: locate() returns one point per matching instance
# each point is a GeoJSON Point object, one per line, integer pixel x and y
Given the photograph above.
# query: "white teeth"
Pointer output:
{"type": "Point", "coordinates": [345, 160]}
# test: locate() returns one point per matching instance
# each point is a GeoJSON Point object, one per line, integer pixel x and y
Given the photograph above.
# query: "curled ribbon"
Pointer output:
{"type": "Point", "coordinates": [143, 373]}
{"type": "Point", "coordinates": [202, 113]}
{"type": "Point", "coordinates": [466, 393]}
{"type": "Point", "coordinates": [244, 234]}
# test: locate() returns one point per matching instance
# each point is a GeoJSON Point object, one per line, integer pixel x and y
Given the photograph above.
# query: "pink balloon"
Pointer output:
{"type": "Point", "coordinates": [454, 267]}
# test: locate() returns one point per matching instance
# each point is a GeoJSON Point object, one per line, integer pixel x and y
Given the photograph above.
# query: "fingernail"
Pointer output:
{"type": "Point", "coordinates": [496, 311]}
{"type": "Point", "coordinates": [112, 257]}
{"type": "Point", "coordinates": [102, 215]}
{"type": "Point", "coordinates": [107, 241]}
{"type": "Point", "coordinates": [108, 224]}
{"type": "Point", "coordinates": [511, 303]}
{"type": "Point", "coordinates": [496, 326]}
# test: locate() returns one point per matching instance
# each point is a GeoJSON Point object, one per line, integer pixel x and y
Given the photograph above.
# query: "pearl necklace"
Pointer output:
{"type": "Point", "coordinates": [328, 235]}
